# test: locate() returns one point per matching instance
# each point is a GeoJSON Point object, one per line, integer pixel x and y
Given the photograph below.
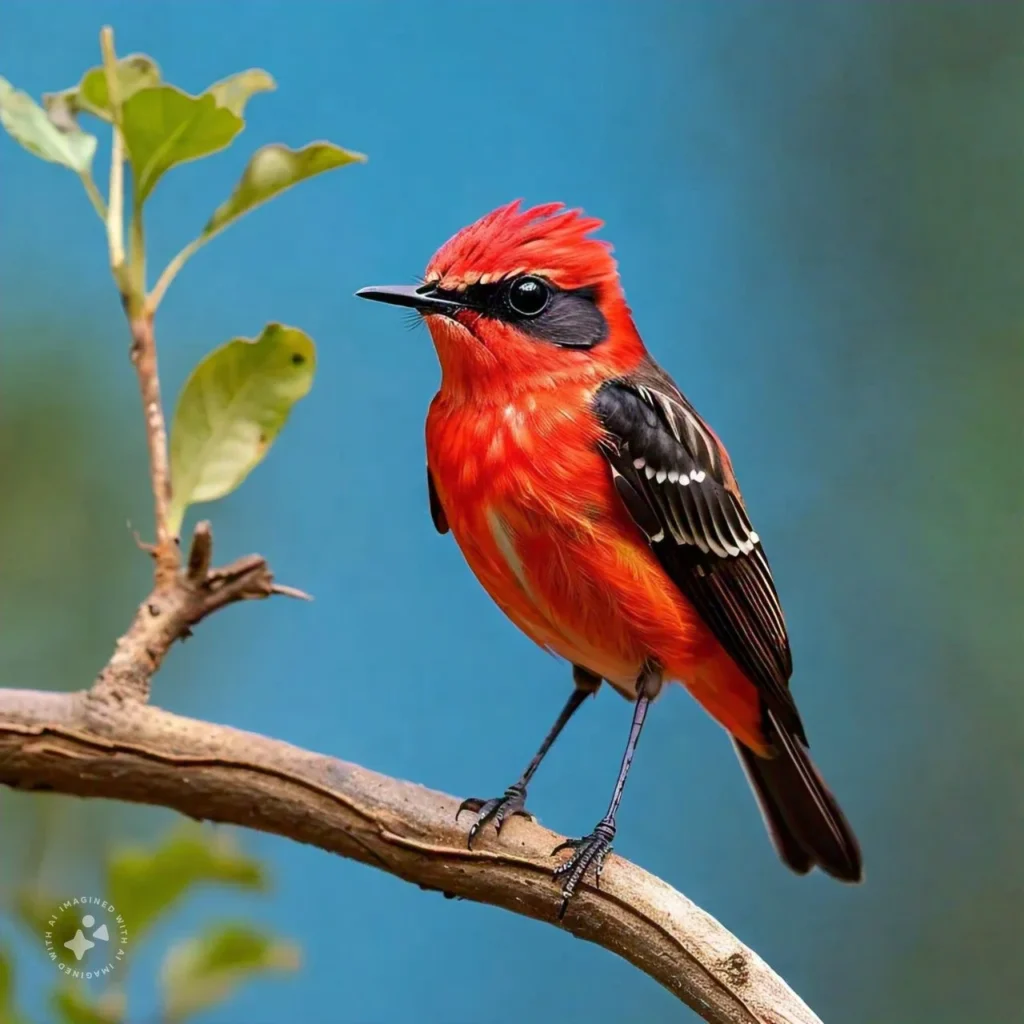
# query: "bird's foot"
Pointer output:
{"type": "Point", "coordinates": [499, 809]}
{"type": "Point", "coordinates": [589, 851]}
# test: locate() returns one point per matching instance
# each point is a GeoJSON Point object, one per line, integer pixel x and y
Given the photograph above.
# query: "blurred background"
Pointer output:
{"type": "Point", "coordinates": [818, 212]}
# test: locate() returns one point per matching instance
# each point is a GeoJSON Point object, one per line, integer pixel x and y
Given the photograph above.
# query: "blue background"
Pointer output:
{"type": "Point", "coordinates": [817, 214]}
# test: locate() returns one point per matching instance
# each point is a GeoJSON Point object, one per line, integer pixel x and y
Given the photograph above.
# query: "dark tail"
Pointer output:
{"type": "Point", "coordinates": [804, 821]}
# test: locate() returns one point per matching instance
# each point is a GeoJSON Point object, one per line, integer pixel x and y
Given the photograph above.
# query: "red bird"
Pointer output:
{"type": "Point", "coordinates": [602, 514]}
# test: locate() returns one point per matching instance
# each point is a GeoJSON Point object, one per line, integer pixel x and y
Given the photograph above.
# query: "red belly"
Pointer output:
{"type": "Point", "coordinates": [531, 504]}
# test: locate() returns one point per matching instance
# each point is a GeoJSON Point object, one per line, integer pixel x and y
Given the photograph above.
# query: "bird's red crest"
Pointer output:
{"type": "Point", "coordinates": [547, 240]}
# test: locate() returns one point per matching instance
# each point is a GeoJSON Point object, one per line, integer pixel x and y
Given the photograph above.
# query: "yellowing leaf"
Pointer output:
{"type": "Point", "coordinates": [164, 126]}
{"type": "Point", "coordinates": [273, 169]}
{"type": "Point", "coordinates": [201, 972]}
{"type": "Point", "coordinates": [235, 91]}
{"type": "Point", "coordinates": [134, 72]}
{"type": "Point", "coordinates": [29, 124]}
{"type": "Point", "coordinates": [232, 407]}
{"type": "Point", "coordinates": [145, 883]}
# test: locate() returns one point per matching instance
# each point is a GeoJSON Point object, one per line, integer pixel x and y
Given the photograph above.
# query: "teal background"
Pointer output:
{"type": "Point", "coordinates": [818, 212]}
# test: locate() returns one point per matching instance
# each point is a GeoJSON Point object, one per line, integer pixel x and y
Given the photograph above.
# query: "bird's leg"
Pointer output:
{"type": "Point", "coordinates": [514, 799]}
{"type": "Point", "coordinates": [591, 850]}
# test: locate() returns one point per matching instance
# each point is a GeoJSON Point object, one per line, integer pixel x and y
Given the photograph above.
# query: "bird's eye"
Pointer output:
{"type": "Point", "coordinates": [528, 296]}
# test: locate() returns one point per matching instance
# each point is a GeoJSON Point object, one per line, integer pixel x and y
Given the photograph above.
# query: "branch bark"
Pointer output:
{"type": "Point", "coordinates": [178, 603]}
{"type": "Point", "coordinates": [92, 744]}
{"type": "Point", "coordinates": [144, 359]}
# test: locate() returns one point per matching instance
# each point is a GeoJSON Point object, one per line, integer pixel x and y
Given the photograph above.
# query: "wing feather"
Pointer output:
{"type": "Point", "coordinates": [677, 483]}
{"type": "Point", "coordinates": [436, 510]}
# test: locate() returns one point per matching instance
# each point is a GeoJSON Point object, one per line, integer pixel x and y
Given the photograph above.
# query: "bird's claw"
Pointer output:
{"type": "Point", "coordinates": [589, 851]}
{"type": "Point", "coordinates": [499, 810]}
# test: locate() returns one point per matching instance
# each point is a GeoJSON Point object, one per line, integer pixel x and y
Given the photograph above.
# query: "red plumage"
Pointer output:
{"type": "Point", "coordinates": [598, 509]}
{"type": "Point", "coordinates": [511, 438]}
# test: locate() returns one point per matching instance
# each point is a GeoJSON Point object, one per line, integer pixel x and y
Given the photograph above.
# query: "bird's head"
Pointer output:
{"type": "Point", "coordinates": [521, 298]}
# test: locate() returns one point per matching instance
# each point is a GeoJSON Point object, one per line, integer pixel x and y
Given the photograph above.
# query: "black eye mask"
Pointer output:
{"type": "Point", "coordinates": [570, 319]}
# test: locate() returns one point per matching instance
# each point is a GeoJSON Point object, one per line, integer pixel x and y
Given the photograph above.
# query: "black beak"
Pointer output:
{"type": "Point", "coordinates": [419, 298]}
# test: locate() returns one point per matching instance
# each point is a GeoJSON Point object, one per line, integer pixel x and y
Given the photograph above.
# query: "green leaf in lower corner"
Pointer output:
{"type": "Point", "coordinates": [235, 91]}
{"type": "Point", "coordinates": [201, 972]}
{"type": "Point", "coordinates": [76, 1004]}
{"type": "Point", "coordinates": [8, 1012]}
{"type": "Point", "coordinates": [6, 982]}
{"type": "Point", "coordinates": [164, 126]}
{"type": "Point", "coordinates": [134, 72]}
{"type": "Point", "coordinates": [232, 407]}
{"type": "Point", "coordinates": [29, 124]}
{"type": "Point", "coordinates": [145, 883]}
{"type": "Point", "coordinates": [273, 169]}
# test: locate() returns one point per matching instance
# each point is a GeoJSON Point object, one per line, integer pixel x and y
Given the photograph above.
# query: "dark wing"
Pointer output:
{"type": "Point", "coordinates": [677, 483]}
{"type": "Point", "coordinates": [436, 511]}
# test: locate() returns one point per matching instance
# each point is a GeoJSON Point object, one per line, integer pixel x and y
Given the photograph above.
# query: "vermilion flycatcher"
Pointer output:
{"type": "Point", "coordinates": [601, 513]}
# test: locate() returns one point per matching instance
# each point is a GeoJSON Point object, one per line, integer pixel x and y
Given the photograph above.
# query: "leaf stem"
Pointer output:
{"type": "Point", "coordinates": [137, 257]}
{"type": "Point", "coordinates": [97, 200]}
{"type": "Point", "coordinates": [115, 206]}
{"type": "Point", "coordinates": [169, 273]}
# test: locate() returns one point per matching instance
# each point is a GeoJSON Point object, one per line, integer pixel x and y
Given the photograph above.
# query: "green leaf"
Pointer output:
{"type": "Point", "coordinates": [44, 918]}
{"type": "Point", "coordinates": [270, 171]}
{"type": "Point", "coordinates": [143, 884]}
{"type": "Point", "coordinates": [232, 407]}
{"type": "Point", "coordinates": [29, 124]}
{"type": "Point", "coordinates": [164, 127]}
{"type": "Point", "coordinates": [204, 971]}
{"type": "Point", "coordinates": [6, 982]}
{"type": "Point", "coordinates": [8, 1011]}
{"type": "Point", "coordinates": [235, 91]}
{"type": "Point", "coordinates": [75, 1004]}
{"type": "Point", "coordinates": [134, 72]}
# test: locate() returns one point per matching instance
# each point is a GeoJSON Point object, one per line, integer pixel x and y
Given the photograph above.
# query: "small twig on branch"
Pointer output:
{"type": "Point", "coordinates": [143, 353]}
{"type": "Point", "coordinates": [284, 591]}
{"type": "Point", "coordinates": [131, 282]}
{"type": "Point", "coordinates": [201, 553]}
{"type": "Point", "coordinates": [88, 745]}
{"type": "Point", "coordinates": [176, 604]}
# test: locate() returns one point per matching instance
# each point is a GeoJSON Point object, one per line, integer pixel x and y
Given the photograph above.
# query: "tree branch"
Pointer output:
{"type": "Point", "coordinates": [107, 742]}
{"type": "Point", "coordinates": [90, 744]}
